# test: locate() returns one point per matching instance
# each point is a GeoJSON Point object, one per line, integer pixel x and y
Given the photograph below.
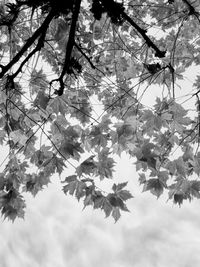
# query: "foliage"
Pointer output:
{"type": "Point", "coordinates": [58, 58]}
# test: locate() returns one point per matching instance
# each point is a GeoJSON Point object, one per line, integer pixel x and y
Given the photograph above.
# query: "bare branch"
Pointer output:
{"type": "Point", "coordinates": [191, 8]}
{"type": "Point", "coordinates": [28, 43]}
{"type": "Point", "coordinates": [71, 37]}
{"type": "Point", "coordinates": [38, 47]}
{"type": "Point", "coordinates": [142, 32]}
{"type": "Point", "coordinates": [87, 58]}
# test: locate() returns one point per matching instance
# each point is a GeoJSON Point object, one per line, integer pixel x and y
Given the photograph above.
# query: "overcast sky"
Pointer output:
{"type": "Point", "coordinates": [57, 233]}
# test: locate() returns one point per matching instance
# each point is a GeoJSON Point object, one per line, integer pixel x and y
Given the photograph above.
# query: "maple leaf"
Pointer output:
{"type": "Point", "coordinates": [98, 201]}
{"type": "Point", "coordinates": [61, 32]}
{"type": "Point", "coordinates": [2, 136]}
{"type": "Point", "coordinates": [41, 100]}
{"type": "Point", "coordinates": [87, 201]}
{"type": "Point", "coordinates": [57, 163]}
{"type": "Point", "coordinates": [18, 137]}
{"type": "Point", "coordinates": [116, 214]}
{"type": "Point", "coordinates": [146, 155]}
{"type": "Point", "coordinates": [12, 205]}
{"type": "Point", "coordinates": [2, 181]}
{"type": "Point", "coordinates": [195, 188]}
{"type": "Point", "coordinates": [119, 187]}
{"type": "Point", "coordinates": [88, 166]}
{"type": "Point", "coordinates": [107, 207]}
{"type": "Point", "coordinates": [124, 195]}
{"type": "Point", "coordinates": [70, 179]}
{"type": "Point", "coordinates": [57, 105]}
{"type": "Point", "coordinates": [142, 178]}
{"type": "Point", "coordinates": [75, 187]}
{"type": "Point", "coordinates": [38, 81]}
{"type": "Point", "coordinates": [70, 187]}
{"type": "Point", "coordinates": [69, 148]}
{"type": "Point", "coordinates": [105, 164]}
{"type": "Point", "coordinates": [182, 190]}
{"type": "Point", "coordinates": [97, 31]}
{"type": "Point", "coordinates": [97, 138]}
{"type": "Point", "coordinates": [85, 92]}
{"type": "Point", "coordinates": [121, 194]}
{"type": "Point", "coordinates": [155, 186]}
{"type": "Point", "coordinates": [36, 182]}
{"type": "Point", "coordinates": [178, 198]}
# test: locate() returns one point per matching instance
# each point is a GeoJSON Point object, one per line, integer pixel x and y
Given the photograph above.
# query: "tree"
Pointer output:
{"type": "Point", "coordinates": [109, 50]}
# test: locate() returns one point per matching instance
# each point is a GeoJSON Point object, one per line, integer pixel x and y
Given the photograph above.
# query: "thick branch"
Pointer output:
{"type": "Point", "coordinates": [112, 7]}
{"type": "Point", "coordinates": [28, 43]}
{"type": "Point", "coordinates": [71, 37]}
{"type": "Point", "coordinates": [158, 53]}
{"type": "Point", "coordinates": [38, 47]}
{"type": "Point", "coordinates": [191, 8]}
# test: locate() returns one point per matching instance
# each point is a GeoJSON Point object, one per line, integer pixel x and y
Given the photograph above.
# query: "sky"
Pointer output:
{"type": "Point", "coordinates": [56, 231]}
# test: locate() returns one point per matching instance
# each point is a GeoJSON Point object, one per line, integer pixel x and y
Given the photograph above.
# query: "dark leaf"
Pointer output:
{"type": "Point", "coordinates": [124, 195]}
{"type": "Point", "coordinates": [178, 198]}
{"type": "Point", "coordinates": [107, 207]}
{"type": "Point", "coordinates": [116, 214]}
{"type": "Point", "coordinates": [98, 201]}
{"type": "Point", "coordinates": [70, 187]}
{"type": "Point", "coordinates": [119, 187]}
{"type": "Point", "coordinates": [70, 179]}
{"type": "Point", "coordinates": [155, 186]}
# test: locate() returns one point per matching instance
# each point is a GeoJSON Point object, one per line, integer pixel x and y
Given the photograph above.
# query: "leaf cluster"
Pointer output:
{"type": "Point", "coordinates": [74, 77]}
{"type": "Point", "coordinates": [111, 203]}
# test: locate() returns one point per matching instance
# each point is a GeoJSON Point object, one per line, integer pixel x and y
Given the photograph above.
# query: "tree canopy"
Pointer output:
{"type": "Point", "coordinates": [73, 77]}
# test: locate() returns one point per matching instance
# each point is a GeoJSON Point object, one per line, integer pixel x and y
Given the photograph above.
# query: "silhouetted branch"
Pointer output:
{"type": "Point", "coordinates": [191, 8]}
{"type": "Point", "coordinates": [117, 13]}
{"type": "Point", "coordinates": [87, 58]}
{"type": "Point", "coordinates": [28, 43]}
{"type": "Point", "coordinates": [71, 37]}
{"type": "Point", "coordinates": [38, 47]}
{"type": "Point", "coordinates": [142, 32]}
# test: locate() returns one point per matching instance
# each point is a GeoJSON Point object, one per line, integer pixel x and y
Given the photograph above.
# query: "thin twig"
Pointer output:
{"type": "Point", "coordinates": [87, 58]}
{"type": "Point", "coordinates": [28, 43]}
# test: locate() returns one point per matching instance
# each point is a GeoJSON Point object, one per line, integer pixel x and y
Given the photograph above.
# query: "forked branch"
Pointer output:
{"type": "Point", "coordinates": [29, 42]}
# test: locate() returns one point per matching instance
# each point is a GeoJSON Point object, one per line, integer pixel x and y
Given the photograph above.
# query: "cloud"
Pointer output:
{"type": "Point", "coordinates": [57, 233]}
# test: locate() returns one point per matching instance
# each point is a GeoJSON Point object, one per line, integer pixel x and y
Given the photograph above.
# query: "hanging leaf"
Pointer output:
{"type": "Point", "coordinates": [41, 100]}
{"type": "Point", "coordinates": [90, 78]}
{"type": "Point", "coordinates": [88, 166]}
{"type": "Point", "coordinates": [38, 81]}
{"type": "Point", "coordinates": [18, 137]}
{"type": "Point", "coordinates": [116, 214]}
{"type": "Point", "coordinates": [124, 195]}
{"type": "Point", "coordinates": [119, 187]}
{"type": "Point", "coordinates": [105, 164]}
{"type": "Point", "coordinates": [155, 186]}
{"type": "Point", "coordinates": [107, 207]}
{"type": "Point", "coordinates": [12, 205]}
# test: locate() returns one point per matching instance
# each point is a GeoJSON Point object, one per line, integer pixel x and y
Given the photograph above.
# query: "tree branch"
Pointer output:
{"type": "Point", "coordinates": [71, 37]}
{"type": "Point", "coordinates": [158, 53]}
{"type": "Point", "coordinates": [191, 8]}
{"type": "Point", "coordinates": [28, 43]}
{"type": "Point", "coordinates": [38, 47]}
{"type": "Point", "coordinates": [112, 7]}
{"type": "Point", "coordinates": [86, 57]}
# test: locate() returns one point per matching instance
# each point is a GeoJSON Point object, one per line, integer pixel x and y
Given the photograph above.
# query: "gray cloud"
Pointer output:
{"type": "Point", "coordinates": [57, 233]}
